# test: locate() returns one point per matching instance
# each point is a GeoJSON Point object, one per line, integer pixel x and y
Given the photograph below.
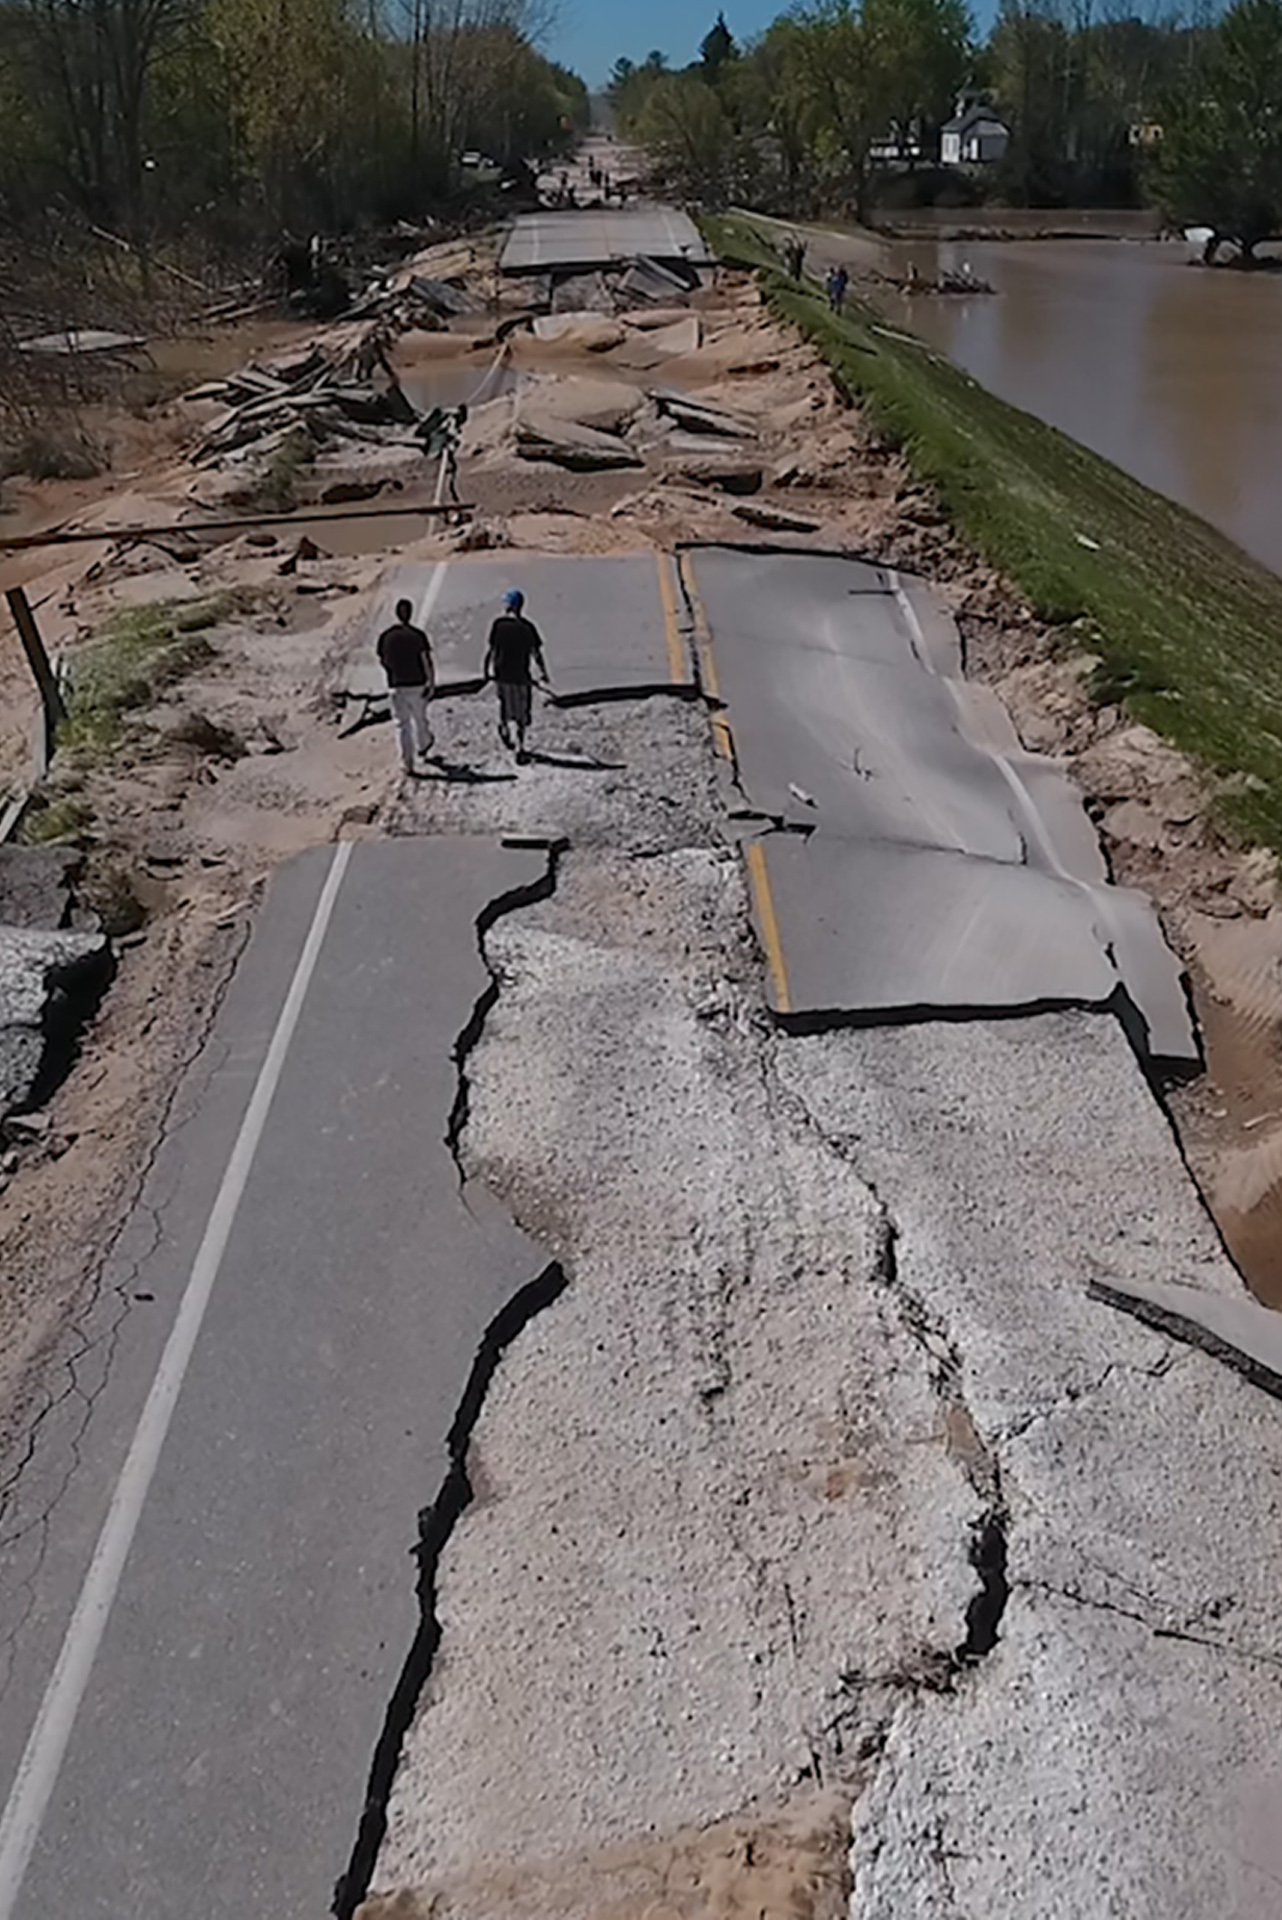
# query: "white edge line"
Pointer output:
{"type": "Point", "coordinates": [431, 595]}
{"type": "Point", "coordinates": [1036, 827]}
{"type": "Point", "coordinates": [46, 1748]}
{"type": "Point", "coordinates": [916, 638]}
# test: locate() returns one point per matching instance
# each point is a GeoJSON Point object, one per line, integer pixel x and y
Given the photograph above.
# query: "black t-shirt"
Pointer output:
{"type": "Point", "coordinates": [514, 643]}
{"type": "Point", "coordinates": [406, 654]}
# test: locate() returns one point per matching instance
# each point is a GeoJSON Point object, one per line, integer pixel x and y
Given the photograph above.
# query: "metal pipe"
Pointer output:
{"type": "Point", "coordinates": [306, 516]}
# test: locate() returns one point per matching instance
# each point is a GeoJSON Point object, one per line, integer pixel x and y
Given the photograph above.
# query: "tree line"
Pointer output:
{"type": "Point", "coordinates": [839, 105]}
{"type": "Point", "coordinates": [248, 117]}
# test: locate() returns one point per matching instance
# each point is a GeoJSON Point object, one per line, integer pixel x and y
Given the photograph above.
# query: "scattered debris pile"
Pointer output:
{"type": "Point", "coordinates": [333, 407]}
{"type": "Point", "coordinates": [326, 387]}
{"type": "Point", "coordinates": [624, 288]}
{"type": "Point", "coordinates": [428, 290]}
{"type": "Point", "coordinates": [321, 281]}
{"type": "Point", "coordinates": [965, 281]}
{"type": "Point", "coordinates": [597, 425]}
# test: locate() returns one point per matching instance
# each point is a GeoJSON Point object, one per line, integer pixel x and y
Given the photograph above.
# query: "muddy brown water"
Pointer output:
{"type": "Point", "coordinates": [1175, 373]}
{"type": "Point", "coordinates": [1169, 369]}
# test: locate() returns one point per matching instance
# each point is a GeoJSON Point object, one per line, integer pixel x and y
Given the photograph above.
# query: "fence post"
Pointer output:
{"type": "Point", "coordinates": [52, 706]}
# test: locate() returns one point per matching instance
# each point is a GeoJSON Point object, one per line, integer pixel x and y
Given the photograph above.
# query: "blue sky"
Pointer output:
{"type": "Point", "coordinates": [591, 34]}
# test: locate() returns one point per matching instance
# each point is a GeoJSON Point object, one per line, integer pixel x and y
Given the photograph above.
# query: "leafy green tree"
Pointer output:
{"type": "Point", "coordinates": [1220, 161]}
{"type": "Point", "coordinates": [90, 75]}
{"type": "Point", "coordinates": [524, 108]}
{"type": "Point", "coordinates": [921, 50]}
{"type": "Point", "coordinates": [716, 50]}
{"type": "Point", "coordinates": [842, 90]}
{"type": "Point", "coordinates": [690, 138]}
{"type": "Point", "coordinates": [1031, 68]}
{"type": "Point", "coordinates": [631, 86]}
{"type": "Point", "coordinates": [620, 74]}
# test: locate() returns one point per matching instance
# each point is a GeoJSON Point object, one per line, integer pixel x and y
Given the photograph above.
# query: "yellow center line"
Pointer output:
{"type": "Point", "coordinates": [677, 664]}
{"type": "Point", "coordinates": [702, 631]}
{"type": "Point", "coordinates": [759, 880]}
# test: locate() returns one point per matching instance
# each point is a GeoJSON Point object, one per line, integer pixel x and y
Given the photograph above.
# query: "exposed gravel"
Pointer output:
{"type": "Point", "coordinates": [825, 1471]}
{"type": "Point", "coordinates": [631, 773]}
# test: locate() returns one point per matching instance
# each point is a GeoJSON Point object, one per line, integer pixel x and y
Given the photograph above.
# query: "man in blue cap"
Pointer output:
{"type": "Point", "coordinates": [514, 651]}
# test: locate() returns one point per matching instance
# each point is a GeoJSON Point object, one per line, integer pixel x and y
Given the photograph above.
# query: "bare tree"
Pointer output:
{"type": "Point", "coordinates": [453, 47]}
{"type": "Point", "coordinates": [92, 63]}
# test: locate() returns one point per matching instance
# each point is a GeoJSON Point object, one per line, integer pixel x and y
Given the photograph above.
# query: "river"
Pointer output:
{"type": "Point", "coordinates": [1170, 370]}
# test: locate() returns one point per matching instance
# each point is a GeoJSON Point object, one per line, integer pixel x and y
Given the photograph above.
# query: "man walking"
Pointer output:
{"type": "Point", "coordinates": [515, 648]}
{"type": "Point", "coordinates": [406, 656]}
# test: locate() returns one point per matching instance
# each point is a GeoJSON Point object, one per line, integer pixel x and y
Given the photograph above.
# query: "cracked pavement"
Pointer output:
{"type": "Point", "coordinates": [640, 1457]}
{"type": "Point", "coordinates": [813, 1476]}
{"type": "Point", "coordinates": [865, 1454]}
{"type": "Point", "coordinates": [226, 1731]}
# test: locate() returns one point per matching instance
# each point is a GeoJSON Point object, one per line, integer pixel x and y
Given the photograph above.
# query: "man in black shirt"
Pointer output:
{"type": "Point", "coordinates": [515, 647]}
{"type": "Point", "coordinates": [406, 655]}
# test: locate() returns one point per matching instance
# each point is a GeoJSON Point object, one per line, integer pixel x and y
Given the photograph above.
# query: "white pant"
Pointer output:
{"type": "Point", "coordinates": [409, 710]}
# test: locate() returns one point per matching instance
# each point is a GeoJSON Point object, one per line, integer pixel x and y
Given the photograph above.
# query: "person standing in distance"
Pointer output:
{"type": "Point", "coordinates": [406, 656]}
{"type": "Point", "coordinates": [515, 648]}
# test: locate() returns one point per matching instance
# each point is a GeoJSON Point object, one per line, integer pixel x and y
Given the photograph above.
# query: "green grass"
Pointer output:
{"type": "Point", "coordinates": [1187, 628]}
{"type": "Point", "coordinates": [66, 821]}
{"type": "Point", "coordinates": [140, 652]}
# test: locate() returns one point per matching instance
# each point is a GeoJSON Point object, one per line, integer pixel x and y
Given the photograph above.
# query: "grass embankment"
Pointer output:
{"type": "Point", "coordinates": [130, 662]}
{"type": "Point", "coordinates": [1187, 627]}
{"type": "Point", "coordinates": [140, 652]}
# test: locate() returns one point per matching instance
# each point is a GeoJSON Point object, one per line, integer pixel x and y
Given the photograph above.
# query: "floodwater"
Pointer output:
{"type": "Point", "coordinates": [1168, 368]}
{"type": "Point", "coordinates": [447, 384]}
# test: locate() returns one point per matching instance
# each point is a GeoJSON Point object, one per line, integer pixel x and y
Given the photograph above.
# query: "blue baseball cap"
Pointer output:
{"type": "Point", "coordinates": [514, 599]}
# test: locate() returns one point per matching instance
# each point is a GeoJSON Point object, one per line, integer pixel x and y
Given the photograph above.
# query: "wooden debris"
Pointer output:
{"type": "Point", "coordinates": [328, 388]}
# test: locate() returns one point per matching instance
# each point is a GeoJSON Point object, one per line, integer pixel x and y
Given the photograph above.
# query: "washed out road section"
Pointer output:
{"type": "Point", "coordinates": [926, 863]}
{"type": "Point", "coordinates": [225, 1736]}
{"type": "Point", "coordinates": [601, 237]}
{"type": "Point", "coordinates": [610, 625]}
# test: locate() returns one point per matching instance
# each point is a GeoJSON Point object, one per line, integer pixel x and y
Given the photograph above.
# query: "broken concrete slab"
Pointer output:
{"type": "Point", "coordinates": [582, 293]}
{"type": "Point", "coordinates": [653, 319]}
{"type": "Point", "coordinates": [650, 281]}
{"type": "Point", "coordinates": [443, 298]}
{"type": "Point", "coordinates": [901, 776]}
{"type": "Point", "coordinates": [881, 932]}
{"type": "Point", "coordinates": [698, 418]}
{"type": "Point", "coordinates": [36, 886]}
{"type": "Point", "coordinates": [605, 405]}
{"type": "Point", "coordinates": [582, 332]}
{"type": "Point", "coordinates": [609, 622]}
{"type": "Point", "coordinates": [47, 982]}
{"type": "Point", "coordinates": [1237, 1330]}
{"type": "Point", "coordinates": [563, 442]}
{"type": "Point", "coordinates": [585, 238]}
{"type": "Point", "coordinates": [646, 349]}
{"type": "Point", "coordinates": [729, 472]}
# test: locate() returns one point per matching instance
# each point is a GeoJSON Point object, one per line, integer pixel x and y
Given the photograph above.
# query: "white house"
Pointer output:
{"type": "Point", "coordinates": [974, 138]}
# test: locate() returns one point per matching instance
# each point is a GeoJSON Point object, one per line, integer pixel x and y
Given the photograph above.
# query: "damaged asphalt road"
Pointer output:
{"type": "Point", "coordinates": [225, 1733]}
{"type": "Point", "coordinates": [632, 1448]}
{"type": "Point", "coordinates": [828, 1303]}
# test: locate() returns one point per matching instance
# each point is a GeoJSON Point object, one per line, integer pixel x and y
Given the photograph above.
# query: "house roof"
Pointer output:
{"type": "Point", "coordinates": [964, 122]}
